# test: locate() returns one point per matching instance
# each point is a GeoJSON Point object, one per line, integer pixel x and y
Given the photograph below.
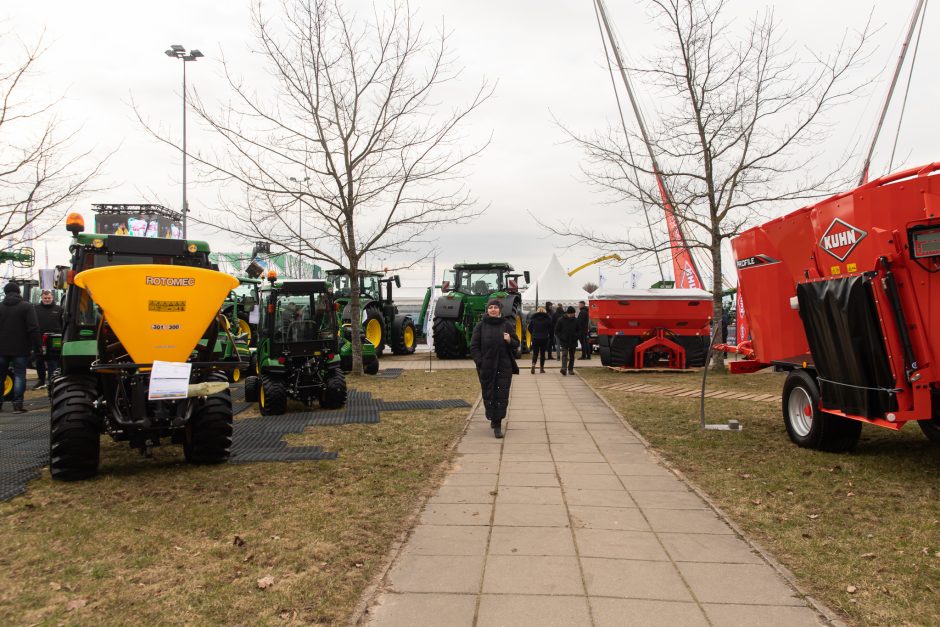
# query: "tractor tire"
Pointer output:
{"type": "Point", "coordinates": [252, 389]}
{"type": "Point", "coordinates": [372, 367]}
{"type": "Point", "coordinates": [272, 397]}
{"type": "Point", "coordinates": [75, 438]}
{"type": "Point", "coordinates": [447, 341]}
{"type": "Point", "coordinates": [234, 375]}
{"type": "Point", "coordinates": [244, 327]}
{"type": "Point", "coordinates": [333, 395]}
{"type": "Point", "coordinates": [374, 328]}
{"type": "Point", "coordinates": [208, 434]}
{"type": "Point", "coordinates": [516, 319]}
{"type": "Point", "coordinates": [931, 428]}
{"type": "Point", "coordinates": [403, 337]}
{"type": "Point", "coordinates": [810, 427]}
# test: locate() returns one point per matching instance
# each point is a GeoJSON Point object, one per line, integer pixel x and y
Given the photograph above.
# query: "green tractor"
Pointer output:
{"type": "Point", "coordinates": [382, 324]}
{"type": "Point", "coordinates": [464, 303]}
{"type": "Point", "coordinates": [298, 355]}
{"type": "Point", "coordinates": [240, 304]}
{"type": "Point", "coordinates": [141, 351]}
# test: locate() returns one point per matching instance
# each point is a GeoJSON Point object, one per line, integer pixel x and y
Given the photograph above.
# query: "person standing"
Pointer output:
{"type": "Point", "coordinates": [19, 333]}
{"type": "Point", "coordinates": [567, 332]}
{"type": "Point", "coordinates": [49, 316]}
{"type": "Point", "coordinates": [540, 330]}
{"type": "Point", "coordinates": [492, 347]}
{"type": "Point", "coordinates": [557, 315]}
{"type": "Point", "coordinates": [584, 325]}
{"type": "Point", "coordinates": [551, 335]}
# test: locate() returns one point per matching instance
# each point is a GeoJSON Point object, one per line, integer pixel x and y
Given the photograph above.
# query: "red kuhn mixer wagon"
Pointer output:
{"type": "Point", "coordinates": [845, 296]}
{"type": "Point", "coordinates": [646, 328]}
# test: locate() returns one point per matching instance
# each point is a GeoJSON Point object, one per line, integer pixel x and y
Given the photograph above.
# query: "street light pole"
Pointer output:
{"type": "Point", "coordinates": [300, 220]}
{"type": "Point", "coordinates": [177, 51]}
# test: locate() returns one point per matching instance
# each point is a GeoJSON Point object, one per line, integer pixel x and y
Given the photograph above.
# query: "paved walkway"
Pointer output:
{"type": "Point", "coordinates": [569, 521]}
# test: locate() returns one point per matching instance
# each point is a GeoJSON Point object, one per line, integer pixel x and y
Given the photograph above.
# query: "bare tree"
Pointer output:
{"type": "Point", "coordinates": [40, 172]}
{"type": "Point", "coordinates": [589, 287]}
{"type": "Point", "coordinates": [349, 153]}
{"type": "Point", "coordinates": [741, 128]}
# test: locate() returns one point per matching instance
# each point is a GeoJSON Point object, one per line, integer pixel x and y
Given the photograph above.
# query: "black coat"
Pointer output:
{"type": "Point", "coordinates": [557, 315]}
{"type": "Point", "coordinates": [583, 320]}
{"type": "Point", "coordinates": [568, 331]}
{"type": "Point", "coordinates": [49, 317]}
{"type": "Point", "coordinates": [495, 362]}
{"type": "Point", "coordinates": [540, 325]}
{"type": "Point", "coordinates": [19, 329]}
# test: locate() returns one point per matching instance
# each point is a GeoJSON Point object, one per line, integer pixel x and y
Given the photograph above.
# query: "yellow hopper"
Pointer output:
{"type": "Point", "coordinates": [159, 312]}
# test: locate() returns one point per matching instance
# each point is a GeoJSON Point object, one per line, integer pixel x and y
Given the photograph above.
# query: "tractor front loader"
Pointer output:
{"type": "Point", "coordinates": [132, 302]}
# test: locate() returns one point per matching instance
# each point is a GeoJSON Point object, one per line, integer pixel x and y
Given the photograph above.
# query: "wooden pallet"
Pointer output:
{"type": "Point", "coordinates": [679, 392]}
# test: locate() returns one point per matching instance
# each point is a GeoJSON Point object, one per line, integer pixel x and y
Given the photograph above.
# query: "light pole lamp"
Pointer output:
{"type": "Point", "coordinates": [177, 51]}
{"type": "Point", "coordinates": [300, 218]}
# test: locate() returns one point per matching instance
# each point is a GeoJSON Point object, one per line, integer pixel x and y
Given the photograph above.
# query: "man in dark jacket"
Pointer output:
{"type": "Point", "coordinates": [540, 330]}
{"type": "Point", "coordinates": [49, 316]}
{"type": "Point", "coordinates": [567, 333]}
{"type": "Point", "coordinates": [551, 336]}
{"type": "Point", "coordinates": [584, 325]}
{"type": "Point", "coordinates": [19, 333]}
{"type": "Point", "coordinates": [557, 315]}
{"type": "Point", "coordinates": [492, 347]}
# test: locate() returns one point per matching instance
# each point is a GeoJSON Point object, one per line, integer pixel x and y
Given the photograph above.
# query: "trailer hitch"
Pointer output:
{"type": "Point", "coordinates": [891, 290]}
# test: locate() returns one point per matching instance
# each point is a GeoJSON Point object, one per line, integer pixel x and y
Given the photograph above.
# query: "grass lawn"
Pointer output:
{"type": "Point", "coordinates": [860, 531]}
{"type": "Point", "coordinates": [156, 541]}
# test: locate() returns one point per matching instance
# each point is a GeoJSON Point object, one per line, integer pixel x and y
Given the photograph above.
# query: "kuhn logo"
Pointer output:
{"type": "Point", "coordinates": [841, 238]}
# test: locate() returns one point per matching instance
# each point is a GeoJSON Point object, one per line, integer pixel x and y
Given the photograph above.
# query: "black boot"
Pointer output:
{"type": "Point", "coordinates": [498, 429]}
{"type": "Point", "coordinates": [533, 367]}
{"type": "Point", "coordinates": [18, 408]}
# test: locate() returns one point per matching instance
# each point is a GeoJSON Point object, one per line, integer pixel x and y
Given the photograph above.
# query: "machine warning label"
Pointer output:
{"type": "Point", "coordinates": [166, 305]}
{"type": "Point", "coordinates": [841, 238]}
{"type": "Point", "coordinates": [165, 327]}
{"type": "Point", "coordinates": [165, 281]}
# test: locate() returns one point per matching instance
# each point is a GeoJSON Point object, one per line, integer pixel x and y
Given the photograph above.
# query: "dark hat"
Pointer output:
{"type": "Point", "coordinates": [494, 301]}
{"type": "Point", "coordinates": [11, 288]}
{"type": "Point", "coordinates": [570, 309]}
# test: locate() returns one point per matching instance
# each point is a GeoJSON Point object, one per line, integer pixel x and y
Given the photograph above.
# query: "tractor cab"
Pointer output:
{"type": "Point", "coordinates": [298, 318]}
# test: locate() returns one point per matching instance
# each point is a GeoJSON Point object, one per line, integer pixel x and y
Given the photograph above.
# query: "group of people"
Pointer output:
{"type": "Point", "coordinates": [22, 325]}
{"type": "Point", "coordinates": [559, 329]}
{"type": "Point", "coordinates": [494, 343]}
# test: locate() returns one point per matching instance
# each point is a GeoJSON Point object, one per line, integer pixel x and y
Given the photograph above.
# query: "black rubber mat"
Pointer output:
{"type": "Point", "coordinates": [389, 373]}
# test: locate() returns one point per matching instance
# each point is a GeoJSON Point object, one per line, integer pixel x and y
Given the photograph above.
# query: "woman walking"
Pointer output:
{"type": "Point", "coordinates": [492, 347]}
{"type": "Point", "coordinates": [541, 331]}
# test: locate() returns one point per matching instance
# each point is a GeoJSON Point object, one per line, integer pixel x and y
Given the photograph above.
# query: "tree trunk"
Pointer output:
{"type": "Point", "coordinates": [718, 361]}
{"type": "Point", "coordinates": [356, 317]}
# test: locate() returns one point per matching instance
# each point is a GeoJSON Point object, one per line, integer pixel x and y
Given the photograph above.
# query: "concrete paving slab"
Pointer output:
{"type": "Point", "coordinates": [448, 540]}
{"type": "Point", "coordinates": [530, 515]}
{"type": "Point", "coordinates": [529, 494]}
{"type": "Point", "coordinates": [667, 500]}
{"type": "Point", "coordinates": [614, 518]}
{"type": "Point", "coordinates": [464, 494]}
{"type": "Point", "coordinates": [531, 574]}
{"type": "Point", "coordinates": [618, 612]}
{"type": "Point", "coordinates": [643, 469]}
{"type": "Point", "coordinates": [591, 482]}
{"type": "Point", "coordinates": [599, 498]}
{"type": "Point", "coordinates": [686, 521]}
{"type": "Point", "coordinates": [476, 467]}
{"type": "Point", "coordinates": [531, 541]}
{"type": "Point", "coordinates": [746, 584]}
{"type": "Point", "coordinates": [545, 467]}
{"type": "Point", "coordinates": [664, 483]}
{"type": "Point", "coordinates": [527, 457]}
{"type": "Point", "coordinates": [696, 547]}
{"type": "Point", "coordinates": [627, 545]}
{"type": "Point", "coordinates": [433, 610]}
{"type": "Point", "coordinates": [456, 514]}
{"type": "Point", "coordinates": [584, 468]}
{"type": "Point", "coordinates": [527, 479]}
{"type": "Point", "coordinates": [513, 610]}
{"type": "Point", "coordinates": [634, 579]}
{"type": "Point", "coordinates": [471, 479]}
{"type": "Point", "coordinates": [762, 616]}
{"type": "Point", "coordinates": [434, 573]}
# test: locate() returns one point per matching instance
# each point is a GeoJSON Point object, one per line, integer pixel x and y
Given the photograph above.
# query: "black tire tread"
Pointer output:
{"type": "Point", "coordinates": [209, 430]}
{"type": "Point", "coordinates": [75, 436]}
{"type": "Point", "coordinates": [398, 338]}
{"type": "Point", "coordinates": [275, 397]}
{"type": "Point", "coordinates": [447, 341]}
{"type": "Point", "coordinates": [334, 392]}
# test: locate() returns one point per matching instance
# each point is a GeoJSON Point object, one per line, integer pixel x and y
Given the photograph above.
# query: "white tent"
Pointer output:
{"type": "Point", "coordinates": [554, 285]}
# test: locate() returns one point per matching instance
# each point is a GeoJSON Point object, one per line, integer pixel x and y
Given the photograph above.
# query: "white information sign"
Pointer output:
{"type": "Point", "coordinates": [169, 380]}
{"type": "Point", "coordinates": [254, 316]}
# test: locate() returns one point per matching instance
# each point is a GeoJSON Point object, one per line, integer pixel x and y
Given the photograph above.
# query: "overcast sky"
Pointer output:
{"type": "Point", "coordinates": [547, 60]}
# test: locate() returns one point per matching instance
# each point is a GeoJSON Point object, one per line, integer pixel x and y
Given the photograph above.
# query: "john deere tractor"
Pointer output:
{"type": "Point", "coordinates": [238, 306]}
{"type": "Point", "coordinates": [464, 303]}
{"type": "Point", "coordinates": [298, 355]}
{"type": "Point", "coordinates": [381, 322]}
{"type": "Point", "coordinates": [132, 302]}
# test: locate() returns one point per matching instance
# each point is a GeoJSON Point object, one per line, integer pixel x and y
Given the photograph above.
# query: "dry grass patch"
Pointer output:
{"type": "Point", "coordinates": [860, 531]}
{"type": "Point", "coordinates": [157, 541]}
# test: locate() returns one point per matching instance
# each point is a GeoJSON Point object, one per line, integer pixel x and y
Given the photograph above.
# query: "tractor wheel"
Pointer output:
{"type": "Point", "coordinates": [252, 389]}
{"type": "Point", "coordinates": [403, 336]}
{"type": "Point", "coordinates": [374, 327]}
{"type": "Point", "coordinates": [333, 395]}
{"type": "Point", "coordinates": [208, 438]}
{"type": "Point", "coordinates": [234, 375]}
{"type": "Point", "coordinates": [516, 319]}
{"type": "Point", "coordinates": [244, 328]}
{"type": "Point", "coordinates": [810, 427]}
{"type": "Point", "coordinates": [372, 367]}
{"type": "Point", "coordinates": [272, 397]}
{"type": "Point", "coordinates": [75, 438]}
{"type": "Point", "coordinates": [447, 341]}
{"type": "Point", "coordinates": [931, 428]}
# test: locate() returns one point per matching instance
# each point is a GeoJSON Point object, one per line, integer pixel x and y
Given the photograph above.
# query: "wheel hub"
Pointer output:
{"type": "Point", "coordinates": [800, 411]}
